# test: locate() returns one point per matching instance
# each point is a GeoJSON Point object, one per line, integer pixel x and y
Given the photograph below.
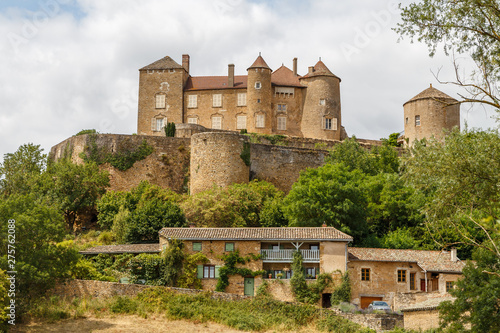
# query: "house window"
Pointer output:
{"type": "Point", "coordinates": [160, 101]}
{"type": "Point", "coordinates": [314, 247]}
{"type": "Point", "coordinates": [242, 99]}
{"type": "Point", "coordinates": [217, 100]}
{"type": "Point", "coordinates": [412, 281]}
{"type": "Point", "coordinates": [192, 101]}
{"type": "Point", "coordinates": [197, 246]}
{"type": "Point", "coordinates": [281, 123]}
{"type": "Point", "coordinates": [322, 101]}
{"type": "Point", "coordinates": [328, 123]}
{"type": "Point", "coordinates": [310, 272]}
{"type": "Point", "coordinates": [417, 120]}
{"type": "Point", "coordinates": [401, 275]}
{"type": "Point", "coordinates": [449, 285]}
{"type": "Point", "coordinates": [282, 107]}
{"type": "Point", "coordinates": [192, 120]}
{"type": "Point", "coordinates": [157, 124]}
{"type": "Point", "coordinates": [229, 247]}
{"type": "Point", "coordinates": [258, 85]}
{"type": "Point", "coordinates": [208, 272]}
{"type": "Point", "coordinates": [217, 122]}
{"type": "Point", "coordinates": [365, 274]}
{"type": "Point", "coordinates": [259, 121]}
{"type": "Point", "coordinates": [241, 122]}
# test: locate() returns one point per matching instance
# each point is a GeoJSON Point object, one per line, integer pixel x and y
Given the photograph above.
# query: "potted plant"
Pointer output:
{"type": "Point", "coordinates": [279, 275]}
{"type": "Point", "coordinates": [270, 275]}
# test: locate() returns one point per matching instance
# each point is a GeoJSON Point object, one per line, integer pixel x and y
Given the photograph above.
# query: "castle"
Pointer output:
{"type": "Point", "coordinates": [267, 102]}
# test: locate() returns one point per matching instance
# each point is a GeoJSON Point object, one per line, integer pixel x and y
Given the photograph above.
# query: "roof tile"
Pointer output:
{"type": "Point", "coordinates": [163, 63]}
{"type": "Point", "coordinates": [123, 248]}
{"type": "Point", "coordinates": [433, 93]}
{"type": "Point", "coordinates": [284, 76]}
{"type": "Point", "coordinates": [214, 82]}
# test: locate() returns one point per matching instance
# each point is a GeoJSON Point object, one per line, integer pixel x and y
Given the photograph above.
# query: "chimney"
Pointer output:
{"type": "Point", "coordinates": [311, 69]}
{"type": "Point", "coordinates": [230, 75]}
{"type": "Point", "coordinates": [454, 257]}
{"type": "Point", "coordinates": [185, 62]}
{"type": "Point", "coordinates": [295, 66]}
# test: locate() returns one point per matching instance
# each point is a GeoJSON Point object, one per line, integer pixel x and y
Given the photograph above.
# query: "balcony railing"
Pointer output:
{"type": "Point", "coordinates": [287, 255]}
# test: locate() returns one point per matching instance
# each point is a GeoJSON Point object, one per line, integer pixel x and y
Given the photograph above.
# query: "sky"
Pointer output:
{"type": "Point", "coordinates": [68, 65]}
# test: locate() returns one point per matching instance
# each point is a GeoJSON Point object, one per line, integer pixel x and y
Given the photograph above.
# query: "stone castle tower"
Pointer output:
{"type": "Point", "coordinates": [263, 101]}
{"type": "Point", "coordinates": [428, 114]}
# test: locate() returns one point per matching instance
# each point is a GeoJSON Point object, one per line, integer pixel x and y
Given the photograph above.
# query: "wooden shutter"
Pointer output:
{"type": "Point", "coordinates": [217, 272]}
{"type": "Point", "coordinates": [153, 124]}
{"type": "Point", "coordinates": [200, 271]}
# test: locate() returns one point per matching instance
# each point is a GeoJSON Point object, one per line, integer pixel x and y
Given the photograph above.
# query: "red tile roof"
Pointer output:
{"type": "Point", "coordinates": [431, 93]}
{"type": "Point", "coordinates": [284, 76]}
{"type": "Point", "coordinates": [214, 82]}
{"type": "Point", "coordinates": [431, 261]}
{"type": "Point", "coordinates": [259, 63]}
{"type": "Point", "coordinates": [320, 69]}
{"type": "Point", "coordinates": [163, 63]}
{"type": "Point", "coordinates": [123, 248]}
{"type": "Point", "coordinates": [263, 234]}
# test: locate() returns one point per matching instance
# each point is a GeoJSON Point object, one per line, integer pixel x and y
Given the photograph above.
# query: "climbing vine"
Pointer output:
{"type": "Point", "coordinates": [189, 277]}
{"type": "Point", "coordinates": [245, 153]}
{"type": "Point", "coordinates": [306, 293]}
{"type": "Point", "coordinates": [230, 261]}
{"type": "Point", "coordinates": [173, 259]}
{"type": "Point", "coordinates": [122, 160]}
{"type": "Point", "coordinates": [343, 292]}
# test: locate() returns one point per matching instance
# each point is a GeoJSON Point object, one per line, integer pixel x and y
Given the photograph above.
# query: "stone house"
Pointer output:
{"type": "Point", "coordinates": [388, 274]}
{"type": "Point", "coordinates": [263, 101]}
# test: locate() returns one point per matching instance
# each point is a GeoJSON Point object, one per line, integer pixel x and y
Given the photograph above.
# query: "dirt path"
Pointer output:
{"type": "Point", "coordinates": [123, 323]}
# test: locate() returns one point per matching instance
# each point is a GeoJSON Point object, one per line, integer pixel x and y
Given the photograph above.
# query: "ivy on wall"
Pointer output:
{"type": "Point", "coordinates": [122, 160]}
{"type": "Point", "coordinates": [245, 153]}
{"type": "Point", "coordinates": [230, 261]}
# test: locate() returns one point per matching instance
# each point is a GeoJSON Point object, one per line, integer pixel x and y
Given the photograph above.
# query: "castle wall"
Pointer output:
{"type": "Point", "coordinates": [293, 113]}
{"type": "Point", "coordinates": [167, 166]}
{"type": "Point", "coordinates": [281, 166]}
{"type": "Point", "coordinates": [204, 110]}
{"type": "Point", "coordinates": [216, 159]}
{"type": "Point", "coordinates": [169, 82]}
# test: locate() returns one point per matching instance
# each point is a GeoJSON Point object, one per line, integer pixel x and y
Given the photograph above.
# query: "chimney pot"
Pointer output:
{"type": "Point", "coordinates": [230, 75]}
{"type": "Point", "coordinates": [311, 69]}
{"type": "Point", "coordinates": [185, 62]}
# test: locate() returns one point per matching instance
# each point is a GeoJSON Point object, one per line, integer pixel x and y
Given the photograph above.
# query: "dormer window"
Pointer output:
{"type": "Point", "coordinates": [258, 85]}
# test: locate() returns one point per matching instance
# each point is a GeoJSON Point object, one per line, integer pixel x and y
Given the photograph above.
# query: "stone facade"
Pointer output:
{"type": "Point", "coordinates": [263, 101]}
{"type": "Point", "coordinates": [421, 320]}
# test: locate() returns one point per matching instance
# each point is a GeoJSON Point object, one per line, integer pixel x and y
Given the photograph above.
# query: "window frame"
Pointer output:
{"type": "Point", "coordinates": [159, 124]}
{"type": "Point", "coordinates": [258, 85]}
{"type": "Point", "coordinates": [209, 269]}
{"type": "Point", "coordinates": [241, 99]}
{"type": "Point", "coordinates": [417, 120]}
{"type": "Point", "coordinates": [401, 275]}
{"type": "Point", "coordinates": [189, 120]}
{"type": "Point", "coordinates": [160, 101]}
{"type": "Point", "coordinates": [449, 285]}
{"type": "Point", "coordinates": [365, 274]}
{"type": "Point", "coordinates": [216, 100]}
{"type": "Point", "coordinates": [412, 281]}
{"type": "Point", "coordinates": [327, 124]}
{"type": "Point", "coordinates": [192, 101]}
{"type": "Point", "coordinates": [283, 123]}
{"type": "Point", "coordinates": [238, 124]}
{"type": "Point", "coordinates": [200, 245]}
{"type": "Point", "coordinates": [230, 244]}
{"type": "Point", "coordinates": [260, 118]}
{"type": "Point", "coordinates": [220, 122]}
{"type": "Point", "coordinates": [281, 107]}
{"type": "Point", "coordinates": [322, 101]}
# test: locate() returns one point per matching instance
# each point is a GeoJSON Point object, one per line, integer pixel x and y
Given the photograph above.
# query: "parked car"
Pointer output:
{"type": "Point", "coordinates": [379, 305]}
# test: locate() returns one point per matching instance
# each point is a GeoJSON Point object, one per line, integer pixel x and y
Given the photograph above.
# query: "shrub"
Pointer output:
{"type": "Point", "coordinates": [147, 267]}
{"type": "Point", "coordinates": [106, 237]}
{"type": "Point", "coordinates": [343, 292]}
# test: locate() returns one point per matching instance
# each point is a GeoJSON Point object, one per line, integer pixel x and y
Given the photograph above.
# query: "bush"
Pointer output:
{"type": "Point", "coordinates": [147, 267]}
{"type": "Point", "coordinates": [106, 237]}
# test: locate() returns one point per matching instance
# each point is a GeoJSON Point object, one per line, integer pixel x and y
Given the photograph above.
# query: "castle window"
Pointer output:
{"type": "Point", "coordinates": [281, 123]}
{"type": "Point", "coordinates": [330, 124]}
{"type": "Point", "coordinates": [241, 122]}
{"type": "Point", "coordinates": [258, 100]}
{"type": "Point", "coordinates": [284, 91]}
{"type": "Point", "coordinates": [259, 121]}
{"type": "Point", "coordinates": [192, 101]}
{"type": "Point", "coordinates": [258, 85]}
{"type": "Point", "coordinates": [217, 122]}
{"type": "Point", "coordinates": [322, 101]}
{"type": "Point", "coordinates": [401, 275]}
{"type": "Point", "coordinates": [217, 100]}
{"type": "Point", "coordinates": [242, 99]}
{"type": "Point", "coordinates": [157, 124]}
{"type": "Point", "coordinates": [160, 101]}
{"type": "Point", "coordinates": [281, 107]}
{"type": "Point", "coordinates": [417, 120]}
{"type": "Point", "coordinates": [192, 120]}
{"type": "Point", "coordinates": [365, 274]}
{"type": "Point", "coordinates": [406, 120]}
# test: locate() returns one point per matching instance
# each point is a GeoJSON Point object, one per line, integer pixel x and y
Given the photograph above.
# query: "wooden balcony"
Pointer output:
{"type": "Point", "coordinates": [287, 255]}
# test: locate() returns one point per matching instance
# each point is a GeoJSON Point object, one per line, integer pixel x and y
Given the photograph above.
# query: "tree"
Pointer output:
{"type": "Point", "coordinates": [330, 194]}
{"type": "Point", "coordinates": [462, 26]}
{"type": "Point", "coordinates": [18, 168]}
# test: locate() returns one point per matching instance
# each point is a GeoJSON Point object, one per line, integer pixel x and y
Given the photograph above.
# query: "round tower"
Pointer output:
{"type": "Point", "coordinates": [219, 159]}
{"type": "Point", "coordinates": [428, 113]}
{"type": "Point", "coordinates": [321, 117]}
{"type": "Point", "coordinates": [259, 97]}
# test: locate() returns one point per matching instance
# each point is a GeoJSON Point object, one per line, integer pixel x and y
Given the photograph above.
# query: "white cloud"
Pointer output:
{"type": "Point", "coordinates": [66, 68]}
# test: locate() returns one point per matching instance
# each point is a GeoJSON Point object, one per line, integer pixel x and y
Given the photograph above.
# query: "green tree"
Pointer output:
{"type": "Point", "coordinates": [330, 194]}
{"type": "Point", "coordinates": [462, 26]}
{"type": "Point", "coordinates": [170, 130]}
{"type": "Point", "coordinates": [18, 169]}
{"type": "Point", "coordinates": [173, 259]}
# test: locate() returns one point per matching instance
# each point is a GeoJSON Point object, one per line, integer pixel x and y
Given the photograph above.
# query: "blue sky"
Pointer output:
{"type": "Point", "coordinates": [69, 65]}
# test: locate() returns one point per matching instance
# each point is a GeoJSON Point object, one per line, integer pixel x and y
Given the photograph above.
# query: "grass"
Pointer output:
{"type": "Point", "coordinates": [256, 314]}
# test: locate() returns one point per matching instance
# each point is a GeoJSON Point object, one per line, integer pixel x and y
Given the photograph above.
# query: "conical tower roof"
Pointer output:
{"type": "Point", "coordinates": [320, 69]}
{"type": "Point", "coordinates": [431, 93]}
{"type": "Point", "coordinates": [259, 63]}
{"type": "Point", "coordinates": [163, 63]}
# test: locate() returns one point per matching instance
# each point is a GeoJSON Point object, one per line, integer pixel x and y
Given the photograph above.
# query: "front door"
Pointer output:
{"type": "Point", "coordinates": [422, 285]}
{"type": "Point", "coordinates": [248, 286]}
